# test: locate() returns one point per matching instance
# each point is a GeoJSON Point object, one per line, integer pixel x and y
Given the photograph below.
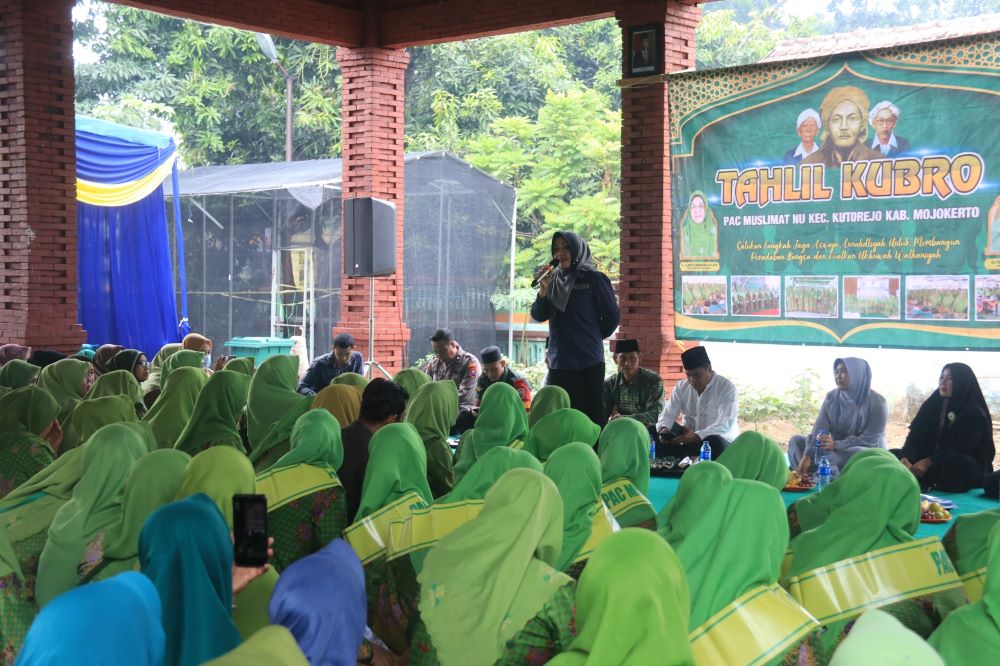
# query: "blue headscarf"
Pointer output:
{"type": "Point", "coordinates": [185, 549]}
{"type": "Point", "coordinates": [321, 600]}
{"type": "Point", "coordinates": [113, 622]}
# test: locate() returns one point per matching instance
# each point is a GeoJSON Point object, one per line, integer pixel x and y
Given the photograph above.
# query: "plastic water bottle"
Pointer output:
{"type": "Point", "coordinates": [706, 452]}
{"type": "Point", "coordinates": [824, 473]}
{"type": "Point", "coordinates": [652, 448]}
{"type": "Point", "coordinates": [817, 450]}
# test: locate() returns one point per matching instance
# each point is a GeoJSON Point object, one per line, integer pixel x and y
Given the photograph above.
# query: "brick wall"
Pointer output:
{"type": "Point", "coordinates": [646, 287]}
{"type": "Point", "coordinates": [37, 176]}
{"type": "Point", "coordinates": [372, 127]}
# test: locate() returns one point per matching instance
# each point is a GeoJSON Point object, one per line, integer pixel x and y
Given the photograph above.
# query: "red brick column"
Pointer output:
{"type": "Point", "coordinates": [646, 287]}
{"type": "Point", "coordinates": [372, 126]}
{"type": "Point", "coordinates": [37, 176]}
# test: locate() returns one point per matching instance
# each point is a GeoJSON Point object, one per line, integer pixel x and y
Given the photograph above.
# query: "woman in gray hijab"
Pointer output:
{"type": "Point", "coordinates": [853, 417]}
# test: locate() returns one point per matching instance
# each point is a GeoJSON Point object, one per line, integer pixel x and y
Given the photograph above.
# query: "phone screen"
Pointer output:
{"type": "Point", "coordinates": [250, 530]}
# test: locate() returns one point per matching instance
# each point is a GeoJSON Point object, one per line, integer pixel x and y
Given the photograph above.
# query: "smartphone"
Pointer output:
{"type": "Point", "coordinates": [250, 530]}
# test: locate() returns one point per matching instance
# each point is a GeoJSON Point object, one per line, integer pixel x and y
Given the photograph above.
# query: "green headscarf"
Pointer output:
{"type": "Point", "coordinates": [315, 441]}
{"type": "Point", "coordinates": [64, 382]}
{"type": "Point", "coordinates": [341, 400]}
{"type": "Point", "coordinates": [576, 471]}
{"type": "Point", "coordinates": [970, 633]}
{"type": "Point", "coordinates": [624, 451]}
{"type": "Point", "coordinates": [273, 645]}
{"type": "Point", "coordinates": [156, 366]}
{"type": "Point", "coordinates": [397, 465]}
{"type": "Point", "coordinates": [116, 382]}
{"type": "Point", "coordinates": [548, 399]}
{"type": "Point", "coordinates": [879, 638]}
{"type": "Point", "coordinates": [485, 472]}
{"type": "Point", "coordinates": [153, 482]}
{"type": "Point", "coordinates": [432, 411]}
{"type": "Point", "coordinates": [352, 379]}
{"type": "Point", "coordinates": [125, 360]}
{"type": "Point", "coordinates": [482, 583]}
{"type": "Point", "coordinates": [18, 374]}
{"type": "Point", "coordinates": [878, 506]}
{"type": "Point", "coordinates": [632, 605]}
{"type": "Point", "coordinates": [272, 396]}
{"type": "Point", "coordinates": [244, 364]}
{"type": "Point", "coordinates": [756, 457]}
{"type": "Point", "coordinates": [27, 410]}
{"type": "Point", "coordinates": [699, 239]}
{"type": "Point", "coordinates": [93, 414]}
{"type": "Point", "coordinates": [185, 358]}
{"type": "Point", "coordinates": [746, 517]}
{"type": "Point", "coordinates": [216, 412]}
{"type": "Point", "coordinates": [24, 415]}
{"type": "Point", "coordinates": [95, 506]}
{"type": "Point", "coordinates": [967, 541]}
{"type": "Point", "coordinates": [175, 405]}
{"type": "Point", "coordinates": [501, 421]}
{"type": "Point", "coordinates": [698, 488]}
{"type": "Point", "coordinates": [411, 379]}
{"type": "Point", "coordinates": [56, 480]}
{"type": "Point", "coordinates": [560, 428]}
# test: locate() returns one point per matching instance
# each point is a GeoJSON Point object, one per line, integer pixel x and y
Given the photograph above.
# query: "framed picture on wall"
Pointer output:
{"type": "Point", "coordinates": [644, 44]}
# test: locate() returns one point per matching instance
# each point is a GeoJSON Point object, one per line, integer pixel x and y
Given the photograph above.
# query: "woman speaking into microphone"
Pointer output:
{"type": "Point", "coordinates": [579, 303]}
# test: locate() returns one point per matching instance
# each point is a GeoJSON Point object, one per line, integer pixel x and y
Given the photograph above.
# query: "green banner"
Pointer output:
{"type": "Point", "coordinates": [852, 199]}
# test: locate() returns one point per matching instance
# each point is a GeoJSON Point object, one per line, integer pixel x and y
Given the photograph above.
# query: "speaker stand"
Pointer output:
{"type": "Point", "coordinates": [372, 363]}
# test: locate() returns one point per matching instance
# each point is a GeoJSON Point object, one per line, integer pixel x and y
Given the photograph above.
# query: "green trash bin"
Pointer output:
{"type": "Point", "coordinates": [259, 348]}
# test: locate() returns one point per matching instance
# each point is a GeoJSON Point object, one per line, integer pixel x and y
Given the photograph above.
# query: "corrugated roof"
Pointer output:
{"type": "Point", "coordinates": [881, 38]}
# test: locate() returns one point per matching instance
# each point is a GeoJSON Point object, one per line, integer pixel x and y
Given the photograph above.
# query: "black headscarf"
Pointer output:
{"type": "Point", "coordinates": [44, 357]}
{"type": "Point", "coordinates": [942, 422]}
{"type": "Point", "coordinates": [563, 281]}
{"type": "Point", "coordinates": [124, 360]}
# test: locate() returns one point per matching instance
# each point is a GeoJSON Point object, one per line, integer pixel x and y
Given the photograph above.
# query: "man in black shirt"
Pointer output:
{"type": "Point", "coordinates": [382, 403]}
{"type": "Point", "coordinates": [326, 368]}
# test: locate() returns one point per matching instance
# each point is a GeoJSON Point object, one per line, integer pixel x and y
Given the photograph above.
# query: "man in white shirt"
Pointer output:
{"type": "Point", "coordinates": [807, 126]}
{"type": "Point", "coordinates": [883, 120]}
{"type": "Point", "coordinates": [710, 406]}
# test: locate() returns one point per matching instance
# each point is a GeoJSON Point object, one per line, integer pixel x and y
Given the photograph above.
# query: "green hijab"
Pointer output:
{"type": "Point", "coordinates": [95, 506]}
{"type": "Point", "coordinates": [484, 473]}
{"type": "Point", "coordinates": [698, 488]}
{"type": "Point", "coordinates": [156, 366]}
{"type": "Point", "coordinates": [879, 638]}
{"type": "Point", "coordinates": [547, 400]}
{"type": "Point", "coordinates": [878, 506]}
{"type": "Point", "coordinates": [315, 441]}
{"type": "Point", "coordinates": [272, 396]}
{"type": "Point", "coordinates": [116, 382]}
{"type": "Point", "coordinates": [559, 428]}
{"type": "Point", "coordinates": [184, 358]}
{"type": "Point", "coordinates": [970, 633]}
{"type": "Point", "coordinates": [397, 465]}
{"type": "Point", "coordinates": [64, 382]}
{"type": "Point", "coordinates": [501, 421]}
{"type": "Point", "coordinates": [632, 605]}
{"type": "Point", "coordinates": [18, 374]}
{"type": "Point", "coordinates": [93, 414]}
{"type": "Point", "coordinates": [432, 411]}
{"type": "Point", "coordinates": [56, 480]}
{"type": "Point", "coordinates": [698, 239]}
{"type": "Point", "coordinates": [411, 379]}
{"type": "Point", "coordinates": [273, 645]}
{"type": "Point", "coordinates": [967, 541]}
{"type": "Point", "coordinates": [25, 413]}
{"type": "Point", "coordinates": [746, 517]}
{"type": "Point", "coordinates": [482, 583]}
{"type": "Point", "coordinates": [352, 379]}
{"type": "Point", "coordinates": [153, 482]}
{"type": "Point", "coordinates": [756, 457]}
{"type": "Point", "coordinates": [244, 364]}
{"type": "Point", "coordinates": [175, 405]}
{"type": "Point", "coordinates": [624, 451]}
{"type": "Point", "coordinates": [216, 412]}
{"type": "Point", "coordinates": [576, 471]}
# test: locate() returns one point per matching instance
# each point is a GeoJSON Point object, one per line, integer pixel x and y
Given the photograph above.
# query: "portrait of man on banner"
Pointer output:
{"type": "Point", "coordinates": [699, 230]}
{"type": "Point", "coordinates": [844, 114]}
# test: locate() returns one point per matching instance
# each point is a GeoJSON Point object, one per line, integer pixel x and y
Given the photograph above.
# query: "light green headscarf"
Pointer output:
{"type": "Point", "coordinates": [18, 374]}
{"type": "Point", "coordinates": [878, 638]}
{"type": "Point", "coordinates": [273, 645]}
{"type": "Point", "coordinates": [559, 428]}
{"type": "Point", "coordinates": [156, 366]}
{"type": "Point", "coordinates": [397, 465]}
{"type": "Point", "coordinates": [972, 632]}
{"type": "Point", "coordinates": [624, 451]}
{"type": "Point", "coordinates": [56, 480]}
{"type": "Point", "coordinates": [878, 506]}
{"type": "Point", "coordinates": [184, 358]}
{"type": "Point", "coordinates": [482, 583]}
{"type": "Point", "coordinates": [698, 488]}
{"type": "Point", "coordinates": [25, 413]}
{"type": "Point", "coordinates": [64, 382]}
{"type": "Point", "coordinates": [153, 482]}
{"type": "Point", "coordinates": [352, 379]}
{"type": "Point", "coordinates": [756, 457]}
{"type": "Point", "coordinates": [432, 411]}
{"type": "Point", "coordinates": [576, 471]}
{"type": "Point", "coordinates": [272, 396]}
{"type": "Point", "coordinates": [93, 414]}
{"type": "Point", "coordinates": [175, 405]}
{"type": "Point", "coordinates": [967, 540]}
{"type": "Point", "coordinates": [632, 606]}
{"type": "Point", "coordinates": [216, 412]}
{"type": "Point", "coordinates": [411, 379]}
{"type": "Point", "coordinates": [485, 472]}
{"type": "Point", "coordinates": [699, 239]}
{"type": "Point", "coordinates": [244, 364]}
{"type": "Point", "coordinates": [117, 382]}
{"type": "Point", "coordinates": [315, 441]}
{"type": "Point", "coordinates": [95, 506]}
{"type": "Point", "coordinates": [746, 517]}
{"type": "Point", "coordinates": [501, 421]}
{"type": "Point", "coordinates": [548, 399]}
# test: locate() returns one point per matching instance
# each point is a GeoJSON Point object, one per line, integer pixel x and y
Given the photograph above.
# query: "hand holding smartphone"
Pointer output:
{"type": "Point", "coordinates": [250, 542]}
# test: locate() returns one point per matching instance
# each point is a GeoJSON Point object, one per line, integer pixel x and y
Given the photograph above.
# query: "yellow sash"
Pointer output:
{"type": "Point", "coordinates": [756, 628]}
{"type": "Point", "coordinates": [879, 578]}
{"type": "Point", "coordinates": [621, 496]}
{"type": "Point", "coordinates": [974, 581]}
{"type": "Point", "coordinates": [517, 445]}
{"type": "Point", "coordinates": [604, 525]}
{"type": "Point", "coordinates": [368, 536]}
{"type": "Point", "coordinates": [426, 526]}
{"type": "Point", "coordinates": [290, 483]}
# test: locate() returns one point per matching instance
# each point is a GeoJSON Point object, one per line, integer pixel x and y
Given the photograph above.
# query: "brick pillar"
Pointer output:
{"type": "Point", "coordinates": [645, 290]}
{"type": "Point", "coordinates": [37, 176]}
{"type": "Point", "coordinates": [372, 126]}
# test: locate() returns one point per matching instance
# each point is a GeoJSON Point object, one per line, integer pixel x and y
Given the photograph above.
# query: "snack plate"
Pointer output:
{"type": "Point", "coordinates": [935, 521]}
{"type": "Point", "coordinates": [945, 503]}
{"type": "Point", "coordinates": [798, 489]}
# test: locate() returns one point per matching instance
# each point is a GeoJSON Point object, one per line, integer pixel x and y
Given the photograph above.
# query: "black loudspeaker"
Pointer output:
{"type": "Point", "coordinates": [369, 237]}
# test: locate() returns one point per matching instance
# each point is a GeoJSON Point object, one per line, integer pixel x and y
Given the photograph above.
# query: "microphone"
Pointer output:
{"type": "Point", "coordinates": [549, 267]}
